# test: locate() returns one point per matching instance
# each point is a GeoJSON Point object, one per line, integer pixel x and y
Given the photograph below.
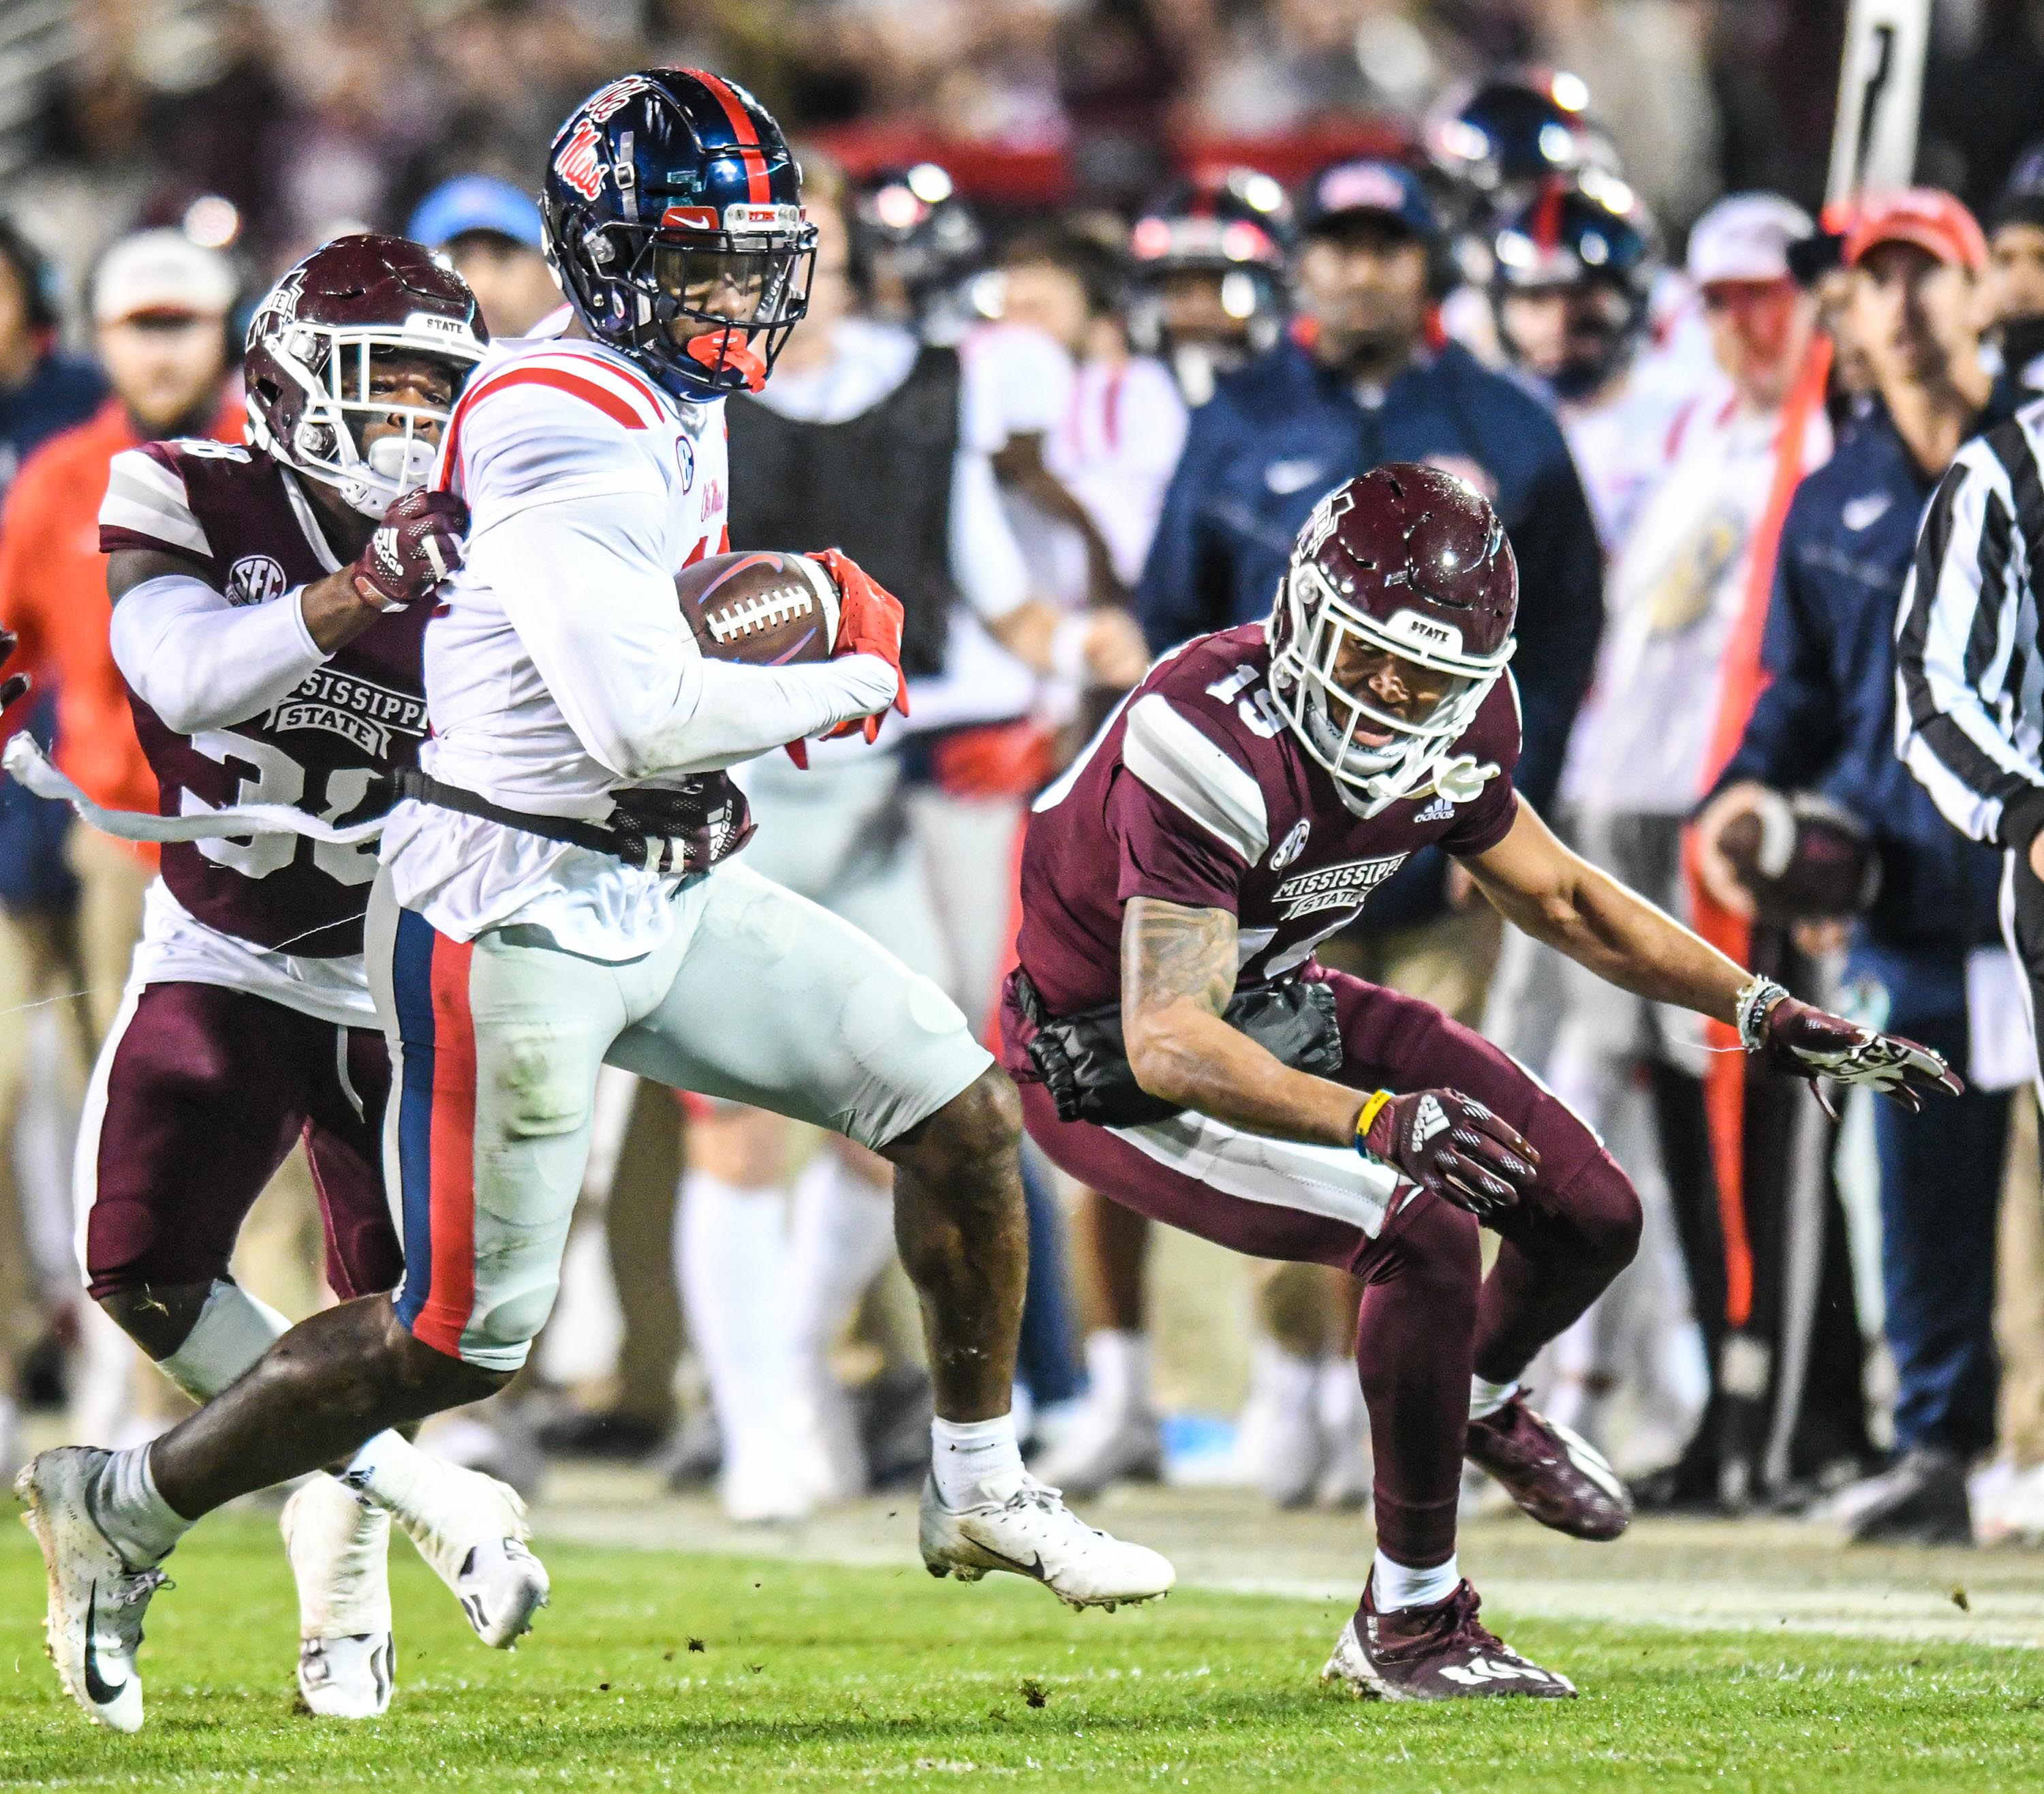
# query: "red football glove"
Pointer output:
{"type": "Point", "coordinates": [15, 685]}
{"type": "Point", "coordinates": [1804, 1041]}
{"type": "Point", "coordinates": [417, 545]}
{"type": "Point", "coordinates": [1451, 1144]}
{"type": "Point", "coordinates": [869, 621]}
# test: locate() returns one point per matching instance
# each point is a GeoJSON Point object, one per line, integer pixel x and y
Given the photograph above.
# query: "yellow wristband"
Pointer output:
{"type": "Point", "coordinates": [1370, 1110]}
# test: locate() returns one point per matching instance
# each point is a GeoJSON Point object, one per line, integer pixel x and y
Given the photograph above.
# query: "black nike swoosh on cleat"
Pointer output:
{"type": "Point", "coordinates": [100, 1693]}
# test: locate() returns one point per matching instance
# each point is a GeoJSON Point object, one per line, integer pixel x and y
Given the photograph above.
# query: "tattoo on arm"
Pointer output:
{"type": "Point", "coordinates": [1170, 953]}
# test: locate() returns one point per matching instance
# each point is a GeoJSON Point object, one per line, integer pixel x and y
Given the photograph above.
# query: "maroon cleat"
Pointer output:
{"type": "Point", "coordinates": [1436, 1653]}
{"type": "Point", "coordinates": [1558, 1477]}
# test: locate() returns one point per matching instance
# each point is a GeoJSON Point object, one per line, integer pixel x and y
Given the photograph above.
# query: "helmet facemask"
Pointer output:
{"type": "Point", "coordinates": [710, 308]}
{"type": "Point", "coordinates": [333, 368]}
{"type": "Point", "coordinates": [1316, 631]}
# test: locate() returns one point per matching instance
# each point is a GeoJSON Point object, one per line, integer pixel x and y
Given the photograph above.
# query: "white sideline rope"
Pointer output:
{"type": "Point", "coordinates": [26, 762]}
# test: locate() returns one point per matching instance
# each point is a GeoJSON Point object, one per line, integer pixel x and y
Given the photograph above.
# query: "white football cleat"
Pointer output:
{"type": "Point", "coordinates": [339, 1547]}
{"type": "Point", "coordinates": [94, 1627]}
{"type": "Point", "coordinates": [1033, 1533]}
{"type": "Point", "coordinates": [471, 1529]}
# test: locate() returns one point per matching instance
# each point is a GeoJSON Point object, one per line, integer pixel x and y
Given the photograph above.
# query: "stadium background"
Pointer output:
{"type": "Point", "coordinates": [261, 129]}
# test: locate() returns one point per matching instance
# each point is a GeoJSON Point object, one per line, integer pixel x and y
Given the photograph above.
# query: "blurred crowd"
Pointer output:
{"type": "Point", "coordinates": [1163, 271]}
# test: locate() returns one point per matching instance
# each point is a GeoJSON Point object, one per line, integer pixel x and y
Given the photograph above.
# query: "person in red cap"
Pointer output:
{"type": "Point", "coordinates": [1826, 725]}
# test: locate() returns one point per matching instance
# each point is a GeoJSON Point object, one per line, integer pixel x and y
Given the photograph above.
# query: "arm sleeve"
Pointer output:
{"type": "Point", "coordinates": [583, 583]}
{"type": "Point", "coordinates": [1961, 661]}
{"type": "Point", "coordinates": [1561, 617]}
{"type": "Point", "coordinates": [1184, 589]}
{"type": "Point", "coordinates": [201, 663]}
{"type": "Point", "coordinates": [1793, 734]}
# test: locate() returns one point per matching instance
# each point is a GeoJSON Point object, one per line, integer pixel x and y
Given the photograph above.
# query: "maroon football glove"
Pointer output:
{"type": "Point", "coordinates": [1451, 1144]}
{"type": "Point", "coordinates": [15, 685]}
{"type": "Point", "coordinates": [417, 545]}
{"type": "Point", "coordinates": [1804, 1041]}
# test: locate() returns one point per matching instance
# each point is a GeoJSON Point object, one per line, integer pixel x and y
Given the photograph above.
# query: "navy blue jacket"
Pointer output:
{"type": "Point", "coordinates": [1280, 432]}
{"type": "Point", "coordinates": [1826, 720]}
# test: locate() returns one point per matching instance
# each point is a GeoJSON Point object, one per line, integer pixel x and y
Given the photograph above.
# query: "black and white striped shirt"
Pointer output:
{"type": "Point", "coordinates": [1969, 712]}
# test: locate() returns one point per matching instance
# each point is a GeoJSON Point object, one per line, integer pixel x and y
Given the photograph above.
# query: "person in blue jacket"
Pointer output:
{"type": "Point", "coordinates": [1826, 723]}
{"type": "Point", "coordinates": [1359, 382]}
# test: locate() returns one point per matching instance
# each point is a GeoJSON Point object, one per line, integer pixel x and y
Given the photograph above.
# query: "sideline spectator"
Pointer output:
{"type": "Point", "coordinates": [2014, 287]}
{"type": "Point", "coordinates": [1825, 722]}
{"type": "Point", "coordinates": [490, 232]}
{"type": "Point", "coordinates": [42, 391]}
{"type": "Point", "coordinates": [159, 305]}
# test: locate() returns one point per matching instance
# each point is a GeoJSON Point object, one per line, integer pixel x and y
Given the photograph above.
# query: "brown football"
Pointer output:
{"type": "Point", "coordinates": [762, 607]}
{"type": "Point", "coordinates": [1802, 857]}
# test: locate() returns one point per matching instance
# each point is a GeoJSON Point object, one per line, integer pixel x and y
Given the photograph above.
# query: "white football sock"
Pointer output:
{"type": "Point", "coordinates": [733, 1251]}
{"type": "Point", "coordinates": [841, 1236]}
{"type": "Point", "coordinates": [1338, 1399]}
{"type": "Point", "coordinates": [143, 1526]}
{"type": "Point", "coordinates": [1118, 1373]}
{"type": "Point", "coordinates": [1485, 1399]}
{"type": "Point", "coordinates": [386, 1470]}
{"type": "Point", "coordinates": [233, 1330]}
{"type": "Point", "coordinates": [975, 1461]}
{"type": "Point", "coordinates": [1394, 1586]}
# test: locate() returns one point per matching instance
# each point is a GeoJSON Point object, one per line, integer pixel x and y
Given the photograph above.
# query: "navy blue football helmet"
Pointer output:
{"type": "Point", "coordinates": [674, 215]}
{"type": "Point", "coordinates": [1591, 238]}
{"type": "Point", "coordinates": [1503, 139]}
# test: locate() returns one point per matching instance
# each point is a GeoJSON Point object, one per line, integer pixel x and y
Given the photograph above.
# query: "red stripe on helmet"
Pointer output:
{"type": "Point", "coordinates": [757, 187]}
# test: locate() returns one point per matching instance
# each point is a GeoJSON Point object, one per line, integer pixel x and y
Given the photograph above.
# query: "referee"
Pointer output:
{"type": "Point", "coordinates": [1969, 716]}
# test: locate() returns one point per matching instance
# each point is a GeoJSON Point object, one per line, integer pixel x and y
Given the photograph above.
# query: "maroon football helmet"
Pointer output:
{"type": "Point", "coordinates": [1407, 561]}
{"type": "Point", "coordinates": [311, 346]}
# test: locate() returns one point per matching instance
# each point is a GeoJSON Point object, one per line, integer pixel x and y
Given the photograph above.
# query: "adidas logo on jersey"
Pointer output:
{"type": "Point", "coordinates": [1440, 810]}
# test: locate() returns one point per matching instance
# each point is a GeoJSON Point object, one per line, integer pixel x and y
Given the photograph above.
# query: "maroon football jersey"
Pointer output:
{"type": "Point", "coordinates": [1197, 791]}
{"type": "Point", "coordinates": [253, 534]}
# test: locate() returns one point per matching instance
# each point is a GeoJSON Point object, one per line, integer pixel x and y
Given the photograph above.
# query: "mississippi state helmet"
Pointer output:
{"type": "Point", "coordinates": [675, 221]}
{"type": "Point", "coordinates": [1231, 228]}
{"type": "Point", "coordinates": [1402, 577]}
{"type": "Point", "coordinates": [1592, 238]}
{"type": "Point", "coordinates": [312, 354]}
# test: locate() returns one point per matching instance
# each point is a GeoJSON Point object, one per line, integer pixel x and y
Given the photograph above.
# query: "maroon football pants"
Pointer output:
{"type": "Point", "coordinates": [199, 1095]}
{"type": "Point", "coordinates": [1428, 1317]}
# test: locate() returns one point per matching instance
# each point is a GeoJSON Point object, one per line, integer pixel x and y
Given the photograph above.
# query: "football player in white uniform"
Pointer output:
{"type": "Point", "coordinates": [550, 897]}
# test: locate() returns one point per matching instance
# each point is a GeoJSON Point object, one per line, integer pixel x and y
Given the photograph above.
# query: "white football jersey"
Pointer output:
{"type": "Point", "coordinates": [542, 421]}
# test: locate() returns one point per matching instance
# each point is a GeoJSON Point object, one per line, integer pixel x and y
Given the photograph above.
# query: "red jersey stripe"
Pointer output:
{"type": "Point", "coordinates": [757, 188]}
{"type": "Point", "coordinates": [450, 1297]}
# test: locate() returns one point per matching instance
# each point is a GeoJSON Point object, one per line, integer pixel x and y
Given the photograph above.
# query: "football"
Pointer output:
{"type": "Point", "coordinates": [762, 607]}
{"type": "Point", "coordinates": [1802, 859]}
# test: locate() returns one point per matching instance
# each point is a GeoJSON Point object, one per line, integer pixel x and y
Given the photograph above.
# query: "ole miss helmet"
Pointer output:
{"type": "Point", "coordinates": [1406, 564]}
{"type": "Point", "coordinates": [1231, 227]}
{"type": "Point", "coordinates": [1592, 235]}
{"type": "Point", "coordinates": [312, 349]}
{"type": "Point", "coordinates": [1503, 137]}
{"type": "Point", "coordinates": [674, 216]}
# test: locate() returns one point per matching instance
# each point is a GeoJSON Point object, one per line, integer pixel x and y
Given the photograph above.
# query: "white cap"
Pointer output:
{"type": "Point", "coordinates": [1747, 237]}
{"type": "Point", "coordinates": [161, 270]}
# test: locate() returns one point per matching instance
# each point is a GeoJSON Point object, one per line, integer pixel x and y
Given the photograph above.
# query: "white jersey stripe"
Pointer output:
{"type": "Point", "coordinates": [151, 500]}
{"type": "Point", "coordinates": [1194, 773]}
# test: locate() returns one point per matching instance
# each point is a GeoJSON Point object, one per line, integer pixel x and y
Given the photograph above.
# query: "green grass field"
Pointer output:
{"type": "Point", "coordinates": [658, 1670]}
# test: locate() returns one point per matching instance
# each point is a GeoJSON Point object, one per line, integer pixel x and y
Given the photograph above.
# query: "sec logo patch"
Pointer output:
{"type": "Point", "coordinates": [254, 579]}
{"type": "Point", "coordinates": [685, 459]}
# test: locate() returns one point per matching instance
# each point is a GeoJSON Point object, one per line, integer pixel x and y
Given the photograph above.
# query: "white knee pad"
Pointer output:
{"type": "Point", "coordinates": [233, 1330]}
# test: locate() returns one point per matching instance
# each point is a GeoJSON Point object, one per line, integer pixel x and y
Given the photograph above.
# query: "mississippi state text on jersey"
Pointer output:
{"type": "Point", "coordinates": [246, 523]}
{"type": "Point", "coordinates": [1197, 792]}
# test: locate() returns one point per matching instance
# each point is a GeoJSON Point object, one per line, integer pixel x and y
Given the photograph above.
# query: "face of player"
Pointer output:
{"type": "Point", "coordinates": [511, 283]}
{"type": "Point", "coordinates": [1363, 281]}
{"type": "Point", "coordinates": [1051, 299]}
{"type": "Point", "coordinates": [166, 368]}
{"type": "Point", "coordinates": [1553, 331]}
{"type": "Point", "coordinates": [1390, 684]}
{"type": "Point", "coordinates": [1759, 330]}
{"type": "Point", "coordinates": [1913, 314]}
{"type": "Point", "coordinates": [408, 384]}
{"type": "Point", "coordinates": [17, 341]}
{"type": "Point", "coordinates": [2014, 287]}
{"type": "Point", "coordinates": [1852, 371]}
{"type": "Point", "coordinates": [1192, 306]}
